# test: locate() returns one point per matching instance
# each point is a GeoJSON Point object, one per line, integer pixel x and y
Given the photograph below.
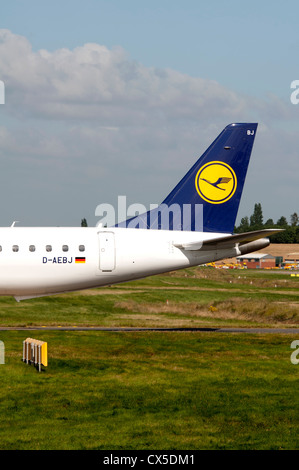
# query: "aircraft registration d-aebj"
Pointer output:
{"type": "Point", "coordinates": [194, 225]}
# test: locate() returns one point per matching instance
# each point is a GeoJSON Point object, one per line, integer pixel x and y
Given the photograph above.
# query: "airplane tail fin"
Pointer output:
{"type": "Point", "coordinates": [208, 197]}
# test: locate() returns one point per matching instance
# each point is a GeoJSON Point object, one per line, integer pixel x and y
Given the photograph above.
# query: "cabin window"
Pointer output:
{"type": "Point", "coordinates": [15, 248]}
{"type": "Point", "coordinates": [32, 248]}
{"type": "Point", "coordinates": [48, 248]}
{"type": "Point", "coordinates": [81, 248]}
{"type": "Point", "coordinates": [65, 248]}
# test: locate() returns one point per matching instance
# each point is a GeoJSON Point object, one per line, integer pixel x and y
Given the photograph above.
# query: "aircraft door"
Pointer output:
{"type": "Point", "coordinates": [107, 251]}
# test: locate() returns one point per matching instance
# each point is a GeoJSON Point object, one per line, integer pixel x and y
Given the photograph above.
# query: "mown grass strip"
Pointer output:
{"type": "Point", "coordinates": [191, 297]}
{"type": "Point", "coordinates": [150, 390]}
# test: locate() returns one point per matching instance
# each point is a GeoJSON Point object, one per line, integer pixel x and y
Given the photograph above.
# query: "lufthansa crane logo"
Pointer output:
{"type": "Point", "coordinates": [216, 182]}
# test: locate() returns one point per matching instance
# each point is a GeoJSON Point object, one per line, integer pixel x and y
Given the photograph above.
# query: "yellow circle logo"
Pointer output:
{"type": "Point", "coordinates": [216, 182]}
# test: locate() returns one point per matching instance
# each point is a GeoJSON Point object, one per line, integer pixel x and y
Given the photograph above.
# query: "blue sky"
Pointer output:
{"type": "Point", "coordinates": [251, 46]}
{"type": "Point", "coordinates": [180, 70]}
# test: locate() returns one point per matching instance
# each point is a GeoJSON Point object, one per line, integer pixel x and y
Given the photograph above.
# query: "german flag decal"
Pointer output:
{"type": "Point", "coordinates": [79, 260]}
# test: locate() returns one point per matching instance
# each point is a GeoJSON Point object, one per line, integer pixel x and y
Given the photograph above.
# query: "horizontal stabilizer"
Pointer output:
{"type": "Point", "coordinates": [228, 241]}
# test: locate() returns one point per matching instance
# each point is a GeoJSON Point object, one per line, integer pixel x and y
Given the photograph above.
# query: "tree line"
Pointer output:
{"type": "Point", "coordinates": [256, 222]}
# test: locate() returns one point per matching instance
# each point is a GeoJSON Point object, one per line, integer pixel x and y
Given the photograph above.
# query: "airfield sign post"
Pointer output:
{"type": "Point", "coordinates": [35, 352]}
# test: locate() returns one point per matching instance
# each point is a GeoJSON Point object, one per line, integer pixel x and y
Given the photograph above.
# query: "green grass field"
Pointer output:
{"type": "Point", "coordinates": [155, 390]}
{"type": "Point", "coordinates": [190, 298]}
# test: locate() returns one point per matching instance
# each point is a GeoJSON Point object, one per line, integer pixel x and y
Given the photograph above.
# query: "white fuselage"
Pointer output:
{"type": "Point", "coordinates": [42, 261]}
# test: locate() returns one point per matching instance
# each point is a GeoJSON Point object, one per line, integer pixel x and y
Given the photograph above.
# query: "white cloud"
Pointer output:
{"type": "Point", "coordinates": [93, 82]}
{"type": "Point", "coordinates": [95, 117]}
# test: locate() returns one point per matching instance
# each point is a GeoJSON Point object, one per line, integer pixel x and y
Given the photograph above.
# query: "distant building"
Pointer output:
{"type": "Point", "coordinates": [292, 258]}
{"type": "Point", "coordinates": [257, 261]}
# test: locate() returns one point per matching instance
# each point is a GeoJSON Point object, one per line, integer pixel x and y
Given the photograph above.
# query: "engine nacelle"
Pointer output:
{"type": "Point", "coordinates": [254, 246]}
